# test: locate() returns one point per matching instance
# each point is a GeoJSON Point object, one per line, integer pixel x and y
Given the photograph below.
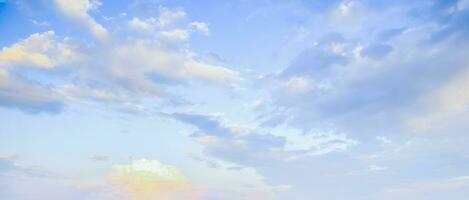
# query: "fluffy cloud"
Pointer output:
{"type": "Point", "coordinates": [145, 66]}
{"type": "Point", "coordinates": [169, 25]}
{"type": "Point", "coordinates": [41, 50]}
{"type": "Point", "coordinates": [344, 77]}
{"type": "Point", "coordinates": [147, 25]}
{"type": "Point", "coordinates": [404, 80]}
{"type": "Point", "coordinates": [150, 179]}
{"type": "Point", "coordinates": [78, 10]}
{"type": "Point", "coordinates": [169, 17]}
{"type": "Point", "coordinates": [121, 71]}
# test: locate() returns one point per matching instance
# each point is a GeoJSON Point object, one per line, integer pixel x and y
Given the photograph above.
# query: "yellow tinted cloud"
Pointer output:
{"type": "Point", "coordinates": [150, 179]}
{"type": "Point", "coordinates": [38, 50]}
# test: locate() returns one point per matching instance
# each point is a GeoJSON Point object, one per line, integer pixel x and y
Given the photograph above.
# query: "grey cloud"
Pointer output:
{"type": "Point", "coordinates": [225, 143]}
{"type": "Point", "coordinates": [370, 97]}
{"type": "Point", "coordinates": [253, 148]}
{"type": "Point", "coordinates": [28, 96]}
{"type": "Point", "coordinates": [382, 90]}
{"type": "Point", "coordinates": [208, 124]}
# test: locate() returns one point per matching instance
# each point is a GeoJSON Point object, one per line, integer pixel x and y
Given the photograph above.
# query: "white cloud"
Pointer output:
{"type": "Point", "coordinates": [199, 26]}
{"type": "Point", "coordinates": [79, 10]}
{"type": "Point", "coordinates": [149, 179]}
{"type": "Point", "coordinates": [168, 17]}
{"type": "Point", "coordinates": [314, 143]}
{"type": "Point", "coordinates": [74, 92]}
{"type": "Point", "coordinates": [140, 68]}
{"type": "Point", "coordinates": [38, 50]}
{"type": "Point", "coordinates": [204, 71]}
{"type": "Point", "coordinates": [153, 65]}
{"type": "Point", "coordinates": [147, 25]}
{"type": "Point", "coordinates": [40, 23]}
{"type": "Point", "coordinates": [175, 34]}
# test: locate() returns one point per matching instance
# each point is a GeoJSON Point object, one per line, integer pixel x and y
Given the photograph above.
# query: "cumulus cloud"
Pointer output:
{"type": "Point", "coordinates": [147, 25]}
{"type": "Point", "coordinates": [120, 71]}
{"type": "Point", "coordinates": [170, 17]}
{"type": "Point", "coordinates": [41, 50]}
{"type": "Point", "coordinates": [152, 67]}
{"type": "Point", "coordinates": [151, 179]}
{"type": "Point", "coordinates": [145, 66]}
{"type": "Point", "coordinates": [169, 25]}
{"type": "Point", "coordinates": [78, 10]}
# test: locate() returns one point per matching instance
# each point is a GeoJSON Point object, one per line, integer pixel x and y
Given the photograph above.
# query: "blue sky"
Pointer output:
{"type": "Point", "coordinates": [234, 100]}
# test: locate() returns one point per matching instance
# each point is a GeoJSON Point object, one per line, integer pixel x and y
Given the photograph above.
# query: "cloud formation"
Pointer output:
{"type": "Point", "coordinates": [128, 71]}
{"type": "Point", "coordinates": [311, 98]}
{"type": "Point", "coordinates": [149, 179]}
{"type": "Point", "coordinates": [251, 147]}
{"type": "Point", "coordinates": [40, 50]}
{"type": "Point", "coordinates": [78, 10]}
